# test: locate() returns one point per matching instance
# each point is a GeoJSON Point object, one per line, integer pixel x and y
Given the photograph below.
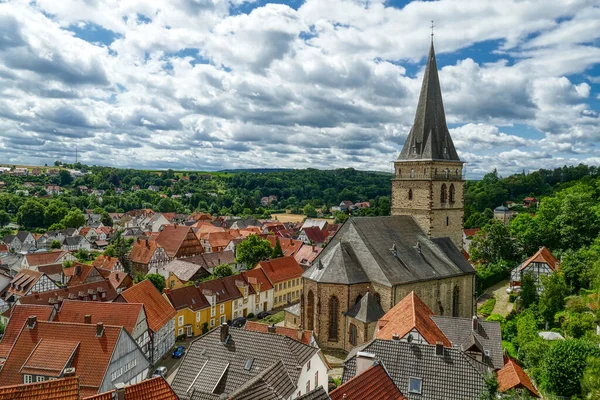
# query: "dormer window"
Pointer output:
{"type": "Point", "coordinates": [414, 385]}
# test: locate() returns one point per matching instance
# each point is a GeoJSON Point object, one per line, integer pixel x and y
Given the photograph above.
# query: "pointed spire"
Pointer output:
{"type": "Point", "coordinates": [429, 138]}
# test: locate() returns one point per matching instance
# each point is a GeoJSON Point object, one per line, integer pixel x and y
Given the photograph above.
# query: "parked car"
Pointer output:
{"type": "Point", "coordinates": [179, 352]}
{"type": "Point", "coordinates": [262, 314]}
{"type": "Point", "coordinates": [160, 371]}
{"type": "Point", "coordinates": [239, 322]}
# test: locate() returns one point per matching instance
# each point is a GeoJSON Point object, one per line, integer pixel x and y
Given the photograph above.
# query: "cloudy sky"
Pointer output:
{"type": "Point", "coordinates": [215, 84]}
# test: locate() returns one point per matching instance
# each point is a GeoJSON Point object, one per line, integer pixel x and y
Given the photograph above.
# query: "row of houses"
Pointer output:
{"type": "Point", "coordinates": [71, 239]}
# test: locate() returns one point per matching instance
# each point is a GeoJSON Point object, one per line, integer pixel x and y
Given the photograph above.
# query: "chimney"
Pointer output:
{"type": "Point", "coordinates": [363, 361]}
{"type": "Point", "coordinates": [271, 329]}
{"type": "Point", "coordinates": [120, 390]}
{"type": "Point", "coordinates": [87, 319]}
{"type": "Point", "coordinates": [224, 333]}
{"type": "Point", "coordinates": [31, 321]}
{"type": "Point", "coordinates": [439, 349]}
{"type": "Point", "coordinates": [396, 337]}
{"type": "Point", "coordinates": [77, 270]}
{"type": "Point", "coordinates": [475, 323]}
{"type": "Point", "coordinates": [147, 244]}
{"type": "Point", "coordinates": [167, 290]}
{"type": "Point", "coordinates": [68, 372]}
{"type": "Point", "coordinates": [99, 329]}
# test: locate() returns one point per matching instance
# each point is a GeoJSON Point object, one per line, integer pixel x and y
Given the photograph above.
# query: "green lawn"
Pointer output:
{"type": "Point", "coordinates": [273, 319]}
{"type": "Point", "coordinates": [487, 307]}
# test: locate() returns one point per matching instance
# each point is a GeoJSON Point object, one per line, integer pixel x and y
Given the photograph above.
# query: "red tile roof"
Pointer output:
{"type": "Point", "coordinates": [58, 389]}
{"type": "Point", "coordinates": [22, 283]}
{"type": "Point", "coordinates": [257, 277]}
{"type": "Point", "coordinates": [90, 360]}
{"type": "Point", "coordinates": [281, 269]}
{"type": "Point", "coordinates": [142, 251]}
{"type": "Point", "coordinates": [299, 335]}
{"type": "Point", "coordinates": [410, 313]}
{"type": "Point", "coordinates": [219, 240]}
{"type": "Point", "coordinates": [512, 376]}
{"type": "Point", "coordinates": [80, 273]}
{"type": "Point", "coordinates": [373, 383]}
{"type": "Point", "coordinates": [315, 234]}
{"type": "Point", "coordinates": [81, 292]}
{"type": "Point", "coordinates": [20, 313]}
{"type": "Point", "coordinates": [471, 232]}
{"type": "Point", "coordinates": [120, 279]}
{"type": "Point", "coordinates": [117, 314]}
{"type": "Point", "coordinates": [44, 258]}
{"type": "Point", "coordinates": [50, 357]}
{"type": "Point", "coordinates": [158, 309]}
{"type": "Point", "coordinates": [154, 388]}
{"type": "Point", "coordinates": [187, 297]}
{"type": "Point", "coordinates": [217, 286]}
{"type": "Point", "coordinates": [289, 246]}
{"type": "Point", "coordinates": [106, 262]}
{"type": "Point", "coordinates": [173, 239]}
{"type": "Point", "coordinates": [307, 254]}
{"type": "Point", "coordinates": [543, 255]}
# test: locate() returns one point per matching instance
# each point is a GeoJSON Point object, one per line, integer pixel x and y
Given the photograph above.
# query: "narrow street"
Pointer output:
{"type": "Point", "coordinates": [498, 291]}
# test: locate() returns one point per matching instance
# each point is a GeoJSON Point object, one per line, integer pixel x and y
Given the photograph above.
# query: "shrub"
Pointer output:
{"type": "Point", "coordinates": [250, 315]}
{"type": "Point", "coordinates": [181, 337]}
{"type": "Point", "coordinates": [487, 307]}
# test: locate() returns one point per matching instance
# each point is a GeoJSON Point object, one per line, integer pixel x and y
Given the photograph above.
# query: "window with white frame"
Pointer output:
{"type": "Point", "coordinates": [213, 311]}
{"type": "Point", "coordinates": [212, 322]}
{"type": "Point", "coordinates": [180, 320]}
{"type": "Point", "coordinates": [198, 316]}
{"type": "Point", "coordinates": [222, 308]}
{"type": "Point", "coordinates": [27, 379]}
{"type": "Point", "coordinates": [180, 331]}
{"type": "Point", "coordinates": [222, 320]}
{"type": "Point", "coordinates": [40, 379]}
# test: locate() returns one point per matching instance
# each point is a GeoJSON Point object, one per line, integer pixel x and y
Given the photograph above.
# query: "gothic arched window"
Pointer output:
{"type": "Point", "coordinates": [443, 194]}
{"type": "Point", "coordinates": [310, 311]}
{"type": "Point", "coordinates": [353, 334]}
{"type": "Point", "coordinates": [455, 301]}
{"type": "Point", "coordinates": [333, 318]}
{"type": "Point", "coordinates": [410, 194]}
{"type": "Point", "coordinates": [451, 193]}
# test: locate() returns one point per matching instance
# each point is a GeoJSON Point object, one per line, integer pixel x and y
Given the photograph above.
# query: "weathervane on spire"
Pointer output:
{"type": "Point", "coordinates": [432, 26]}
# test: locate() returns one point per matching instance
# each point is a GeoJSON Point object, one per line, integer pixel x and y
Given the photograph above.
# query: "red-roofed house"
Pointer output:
{"type": "Point", "coordinates": [93, 291]}
{"type": "Point", "coordinates": [26, 282]}
{"type": "Point", "coordinates": [285, 274]}
{"type": "Point", "coordinates": [262, 287]}
{"type": "Point", "coordinates": [289, 246]}
{"type": "Point", "coordinates": [80, 274]}
{"type": "Point", "coordinates": [147, 256]}
{"type": "Point", "coordinates": [541, 263]}
{"type": "Point", "coordinates": [154, 389]}
{"type": "Point", "coordinates": [300, 335]}
{"type": "Point", "coordinates": [160, 314]}
{"type": "Point", "coordinates": [312, 235]}
{"type": "Point", "coordinates": [131, 316]}
{"type": "Point", "coordinates": [529, 201]}
{"type": "Point", "coordinates": [370, 383]}
{"type": "Point", "coordinates": [513, 377]}
{"type": "Point", "coordinates": [307, 254]}
{"type": "Point", "coordinates": [18, 315]}
{"type": "Point", "coordinates": [179, 241]}
{"type": "Point", "coordinates": [108, 263]}
{"type": "Point", "coordinates": [33, 260]}
{"type": "Point", "coordinates": [48, 350]}
{"type": "Point", "coordinates": [56, 389]}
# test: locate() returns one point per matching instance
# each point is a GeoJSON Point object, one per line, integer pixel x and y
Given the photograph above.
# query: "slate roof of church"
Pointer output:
{"type": "Point", "coordinates": [454, 375]}
{"type": "Point", "coordinates": [387, 250]}
{"type": "Point", "coordinates": [429, 138]}
{"type": "Point", "coordinates": [366, 310]}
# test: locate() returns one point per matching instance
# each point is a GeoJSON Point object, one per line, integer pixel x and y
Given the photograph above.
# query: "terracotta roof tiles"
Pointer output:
{"type": "Point", "coordinates": [158, 309]}
{"type": "Point", "coordinates": [153, 388]}
{"type": "Point", "coordinates": [281, 269]}
{"type": "Point", "coordinates": [49, 257]}
{"type": "Point", "coordinates": [117, 314]}
{"type": "Point", "coordinates": [106, 262]}
{"type": "Point", "coordinates": [512, 376]}
{"type": "Point", "coordinates": [543, 255]}
{"type": "Point", "coordinates": [102, 291]}
{"type": "Point", "coordinates": [296, 334]}
{"type": "Point", "coordinates": [257, 277]}
{"type": "Point", "coordinates": [410, 313]}
{"type": "Point", "coordinates": [58, 389]}
{"type": "Point", "coordinates": [143, 250]}
{"type": "Point", "coordinates": [17, 319]}
{"type": "Point", "coordinates": [187, 297]}
{"type": "Point", "coordinates": [373, 383]}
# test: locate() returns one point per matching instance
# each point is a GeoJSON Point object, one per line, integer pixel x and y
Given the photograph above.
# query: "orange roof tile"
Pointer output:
{"type": "Point", "coordinates": [299, 335]}
{"type": "Point", "coordinates": [173, 238]}
{"type": "Point", "coordinates": [315, 234]}
{"type": "Point", "coordinates": [90, 360]}
{"type": "Point", "coordinates": [80, 273]}
{"type": "Point", "coordinates": [19, 315]}
{"type": "Point", "coordinates": [281, 269]}
{"type": "Point", "coordinates": [512, 376]}
{"type": "Point", "coordinates": [205, 228]}
{"type": "Point", "coordinates": [471, 232]}
{"type": "Point", "coordinates": [120, 279]}
{"type": "Point", "coordinates": [373, 383]}
{"type": "Point", "coordinates": [158, 309]}
{"type": "Point", "coordinates": [117, 314]}
{"type": "Point", "coordinates": [154, 388]}
{"type": "Point", "coordinates": [543, 255]}
{"type": "Point", "coordinates": [142, 251]}
{"type": "Point", "coordinates": [49, 257]}
{"type": "Point", "coordinates": [106, 262]}
{"type": "Point", "coordinates": [187, 297]}
{"type": "Point", "coordinates": [103, 291]}
{"type": "Point", "coordinates": [219, 239]}
{"type": "Point", "coordinates": [289, 246]}
{"type": "Point", "coordinates": [58, 389]}
{"type": "Point", "coordinates": [410, 313]}
{"type": "Point", "coordinates": [307, 254]}
{"type": "Point", "coordinates": [257, 277]}
{"type": "Point", "coordinates": [50, 357]}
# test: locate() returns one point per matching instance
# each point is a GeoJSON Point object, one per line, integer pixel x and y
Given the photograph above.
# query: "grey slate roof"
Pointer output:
{"type": "Point", "coordinates": [273, 383]}
{"type": "Point", "coordinates": [211, 364]}
{"type": "Point", "coordinates": [8, 239]}
{"type": "Point", "coordinates": [460, 333]}
{"type": "Point", "coordinates": [185, 270]}
{"type": "Point", "coordinates": [429, 135]}
{"type": "Point", "coordinates": [366, 310]}
{"type": "Point", "coordinates": [315, 394]}
{"type": "Point", "coordinates": [22, 235]}
{"type": "Point", "coordinates": [451, 376]}
{"type": "Point", "coordinates": [384, 250]}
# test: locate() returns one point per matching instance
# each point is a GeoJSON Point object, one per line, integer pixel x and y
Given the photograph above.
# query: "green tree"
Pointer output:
{"type": "Point", "coordinates": [552, 299]}
{"type": "Point", "coordinates": [4, 218]}
{"type": "Point", "coordinates": [591, 379]}
{"type": "Point", "coordinates": [253, 250]}
{"type": "Point", "coordinates": [223, 270]}
{"type": "Point", "coordinates": [529, 293]}
{"type": "Point", "coordinates": [309, 211]}
{"type": "Point", "coordinates": [490, 389]}
{"type": "Point", "coordinates": [340, 217]}
{"type": "Point", "coordinates": [74, 219]}
{"type": "Point", "coordinates": [106, 219]}
{"type": "Point", "coordinates": [157, 280]}
{"type": "Point", "coordinates": [64, 177]}
{"type": "Point", "coordinates": [31, 214]}
{"type": "Point", "coordinates": [55, 244]}
{"type": "Point", "coordinates": [55, 212]}
{"type": "Point", "coordinates": [277, 251]}
{"type": "Point", "coordinates": [577, 324]}
{"type": "Point", "coordinates": [493, 243]}
{"type": "Point", "coordinates": [564, 366]}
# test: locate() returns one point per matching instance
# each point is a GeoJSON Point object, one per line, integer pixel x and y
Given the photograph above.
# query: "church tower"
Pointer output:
{"type": "Point", "coordinates": [428, 182]}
